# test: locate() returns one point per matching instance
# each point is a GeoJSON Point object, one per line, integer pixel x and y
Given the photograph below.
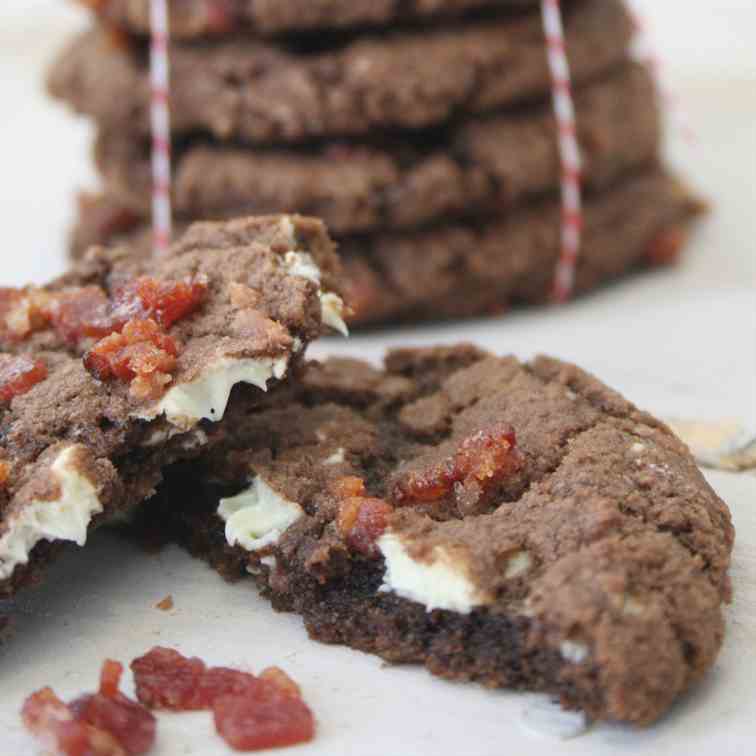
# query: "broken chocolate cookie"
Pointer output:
{"type": "Point", "coordinates": [515, 524]}
{"type": "Point", "coordinates": [123, 366]}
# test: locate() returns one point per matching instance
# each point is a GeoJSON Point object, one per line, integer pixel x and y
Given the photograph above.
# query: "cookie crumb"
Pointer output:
{"type": "Point", "coordinates": [166, 604]}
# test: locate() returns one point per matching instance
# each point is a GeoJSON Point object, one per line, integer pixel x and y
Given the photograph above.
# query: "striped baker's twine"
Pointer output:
{"type": "Point", "coordinates": [569, 150]}
{"type": "Point", "coordinates": [160, 119]}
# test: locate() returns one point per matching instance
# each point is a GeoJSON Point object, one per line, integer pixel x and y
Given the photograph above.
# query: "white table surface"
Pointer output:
{"type": "Point", "coordinates": [681, 343]}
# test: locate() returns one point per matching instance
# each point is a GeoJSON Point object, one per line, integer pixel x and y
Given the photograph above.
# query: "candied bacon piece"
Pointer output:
{"type": "Point", "coordinates": [167, 680]}
{"type": "Point", "coordinates": [348, 486]}
{"type": "Point", "coordinates": [110, 677]}
{"type": "Point", "coordinates": [18, 375]}
{"type": "Point", "coordinates": [481, 460]}
{"type": "Point", "coordinates": [141, 354]}
{"type": "Point", "coordinates": [218, 682]}
{"type": "Point", "coordinates": [22, 311]}
{"type": "Point", "coordinates": [269, 715]}
{"type": "Point", "coordinates": [132, 726]}
{"type": "Point", "coordinates": [5, 470]}
{"type": "Point", "coordinates": [80, 313]}
{"type": "Point", "coordinates": [279, 678]}
{"type": "Point", "coordinates": [362, 521]}
{"type": "Point", "coordinates": [169, 302]}
{"type": "Point", "coordinates": [88, 312]}
{"type": "Point", "coordinates": [59, 730]}
{"type": "Point", "coordinates": [250, 712]}
{"type": "Point", "coordinates": [666, 247]}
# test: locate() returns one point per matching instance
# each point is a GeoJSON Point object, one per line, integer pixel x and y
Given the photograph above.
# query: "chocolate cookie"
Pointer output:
{"type": "Point", "coordinates": [197, 18]}
{"type": "Point", "coordinates": [476, 269]}
{"type": "Point", "coordinates": [518, 525]}
{"type": "Point", "coordinates": [482, 167]}
{"type": "Point", "coordinates": [256, 91]}
{"type": "Point", "coordinates": [123, 366]}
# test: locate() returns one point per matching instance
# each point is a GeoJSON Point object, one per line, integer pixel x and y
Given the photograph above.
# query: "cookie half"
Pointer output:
{"type": "Point", "coordinates": [122, 366]}
{"type": "Point", "coordinates": [518, 525]}
{"type": "Point", "coordinates": [480, 168]}
{"type": "Point", "coordinates": [262, 92]}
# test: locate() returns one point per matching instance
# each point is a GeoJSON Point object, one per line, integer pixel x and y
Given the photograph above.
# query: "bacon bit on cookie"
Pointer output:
{"type": "Point", "coordinates": [481, 461]}
{"type": "Point", "coordinates": [18, 375]}
{"type": "Point", "coordinates": [141, 354]}
{"type": "Point", "coordinates": [666, 247]}
{"type": "Point", "coordinates": [5, 471]}
{"type": "Point", "coordinates": [362, 521]}
{"type": "Point", "coordinates": [88, 313]}
{"type": "Point", "coordinates": [81, 313]}
{"type": "Point", "coordinates": [250, 712]}
{"type": "Point", "coordinates": [348, 486]}
{"type": "Point", "coordinates": [165, 301]}
{"type": "Point", "coordinates": [106, 723]}
{"type": "Point", "coordinates": [22, 311]}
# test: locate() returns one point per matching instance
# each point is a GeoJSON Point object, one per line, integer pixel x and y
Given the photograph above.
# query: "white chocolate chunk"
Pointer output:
{"type": "Point", "coordinates": [518, 565]}
{"type": "Point", "coordinates": [301, 264]}
{"type": "Point", "coordinates": [257, 517]}
{"type": "Point", "coordinates": [206, 397]}
{"type": "Point", "coordinates": [547, 718]}
{"type": "Point", "coordinates": [64, 519]}
{"type": "Point", "coordinates": [336, 458]}
{"type": "Point", "coordinates": [443, 583]}
{"type": "Point", "coordinates": [332, 306]}
{"type": "Point", "coordinates": [333, 312]}
{"type": "Point", "coordinates": [573, 651]}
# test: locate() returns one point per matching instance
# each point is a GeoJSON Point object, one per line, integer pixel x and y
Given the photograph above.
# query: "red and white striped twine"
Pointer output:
{"type": "Point", "coordinates": [160, 119]}
{"type": "Point", "coordinates": [569, 150]}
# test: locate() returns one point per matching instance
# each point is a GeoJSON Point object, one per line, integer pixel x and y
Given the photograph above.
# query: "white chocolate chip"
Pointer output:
{"type": "Point", "coordinates": [573, 652]}
{"type": "Point", "coordinates": [257, 517]}
{"type": "Point", "coordinates": [66, 518]}
{"type": "Point", "coordinates": [518, 564]}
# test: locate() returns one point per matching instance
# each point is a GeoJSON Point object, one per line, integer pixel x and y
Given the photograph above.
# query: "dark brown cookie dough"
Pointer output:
{"type": "Point", "coordinates": [260, 92]}
{"type": "Point", "coordinates": [471, 270]}
{"type": "Point", "coordinates": [483, 167]}
{"type": "Point", "coordinates": [518, 525]}
{"type": "Point", "coordinates": [123, 366]}
{"type": "Point", "coordinates": [197, 18]}
{"type": "Point", "coordinates": [475, 269]}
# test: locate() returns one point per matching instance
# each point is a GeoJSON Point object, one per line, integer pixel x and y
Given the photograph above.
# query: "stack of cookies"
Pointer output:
{"type": "Point", "coordinates": [421, 131]}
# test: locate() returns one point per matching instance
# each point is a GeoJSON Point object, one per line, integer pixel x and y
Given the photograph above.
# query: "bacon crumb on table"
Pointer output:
{"type": "Point", "coordinates": [251, 712]}
{"type": "Point", "coordinates": [166, 604]}
{"type": "Point", "coordinates": [105, 723]}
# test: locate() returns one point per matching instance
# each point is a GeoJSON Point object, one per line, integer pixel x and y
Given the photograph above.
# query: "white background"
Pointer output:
{"type": "Point", "coordinates": [681, 343]}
